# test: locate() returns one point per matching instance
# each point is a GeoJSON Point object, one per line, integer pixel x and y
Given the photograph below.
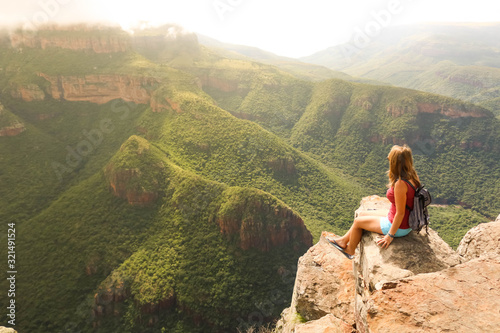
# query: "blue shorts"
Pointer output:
{"type": "Point", "coordinates": [385, 225]}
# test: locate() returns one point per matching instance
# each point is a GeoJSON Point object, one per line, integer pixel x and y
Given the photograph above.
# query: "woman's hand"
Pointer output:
{"type": "Point", "coordinates": [385, 242]}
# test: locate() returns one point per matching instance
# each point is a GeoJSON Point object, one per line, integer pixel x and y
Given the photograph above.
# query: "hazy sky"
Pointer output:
{"type": "Point", "coordinates": [286, 27]}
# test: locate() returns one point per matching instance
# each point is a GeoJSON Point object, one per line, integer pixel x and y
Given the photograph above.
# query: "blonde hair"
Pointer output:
{"type": "Point", "coordinates": [401, 165]}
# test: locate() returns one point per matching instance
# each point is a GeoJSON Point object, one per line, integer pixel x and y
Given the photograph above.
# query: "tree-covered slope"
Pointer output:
{"type": "Point", "coordinates": [170, 260]}
{"type": "Point", "coordinates": [352, 126]}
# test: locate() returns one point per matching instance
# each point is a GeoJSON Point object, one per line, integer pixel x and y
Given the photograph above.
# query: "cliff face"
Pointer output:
{"type": "Point", "coordinates": [133, 174]}
{"type": "Point", "coordinates": [28, 93]}
{"type": "Point", "coordinates": [10, 125]}
{"type": "Point", "coordinates": [12, 130]}
{"type": "Point", "coordinates": [453, 111]}
{"type": "Point", "coordinates": [418, 284]}
{"type": "Point", "coordinates": [258, 223]}
{"type": "Point", "coordinates": [101, 89]}
{"type": "Point", "coordinates": [99, 43]}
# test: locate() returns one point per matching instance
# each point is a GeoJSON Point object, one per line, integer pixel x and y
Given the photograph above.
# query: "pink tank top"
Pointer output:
{"type": "Point", "coordinates": [409, 202]}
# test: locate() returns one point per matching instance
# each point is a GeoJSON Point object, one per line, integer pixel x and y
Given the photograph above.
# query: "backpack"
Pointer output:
{"type": "Point", "coordinates": [419, 217]}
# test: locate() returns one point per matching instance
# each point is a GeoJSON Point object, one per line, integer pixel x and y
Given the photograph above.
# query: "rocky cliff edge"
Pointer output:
{"type": "Point", "coordinates": [418, 284]}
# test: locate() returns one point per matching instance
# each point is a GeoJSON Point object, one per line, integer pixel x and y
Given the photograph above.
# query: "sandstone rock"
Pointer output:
{"type": "Point", "coordinates": [327, 324]}
{"type": "Point", "coordinates": [418, 284]}
{"type": "Point", "coordinates": [136, 181]}
{"type": "Point", "coordinates": [7, 330]}
{"type": "Point", "coordinates": [464, 298]}
{"type": "Point", "coordinates": [257, 221]}
{"type": "Point", "coordinates": [324, 286]}
{"type": "Point", "coordinates": [12, 130]}
{"type": "Point", "coordinates": [101, 89]}
{"type": "Point", "coordinates": [481, 240]}
{"type": "Point", "coordinates": [406, 256]}
{"type": "Point", "coordinates": [28, 93]}
{"type": "Point", "coordinates": [453, 111]}
{"type": "Point", "coordinates": [101, 42]}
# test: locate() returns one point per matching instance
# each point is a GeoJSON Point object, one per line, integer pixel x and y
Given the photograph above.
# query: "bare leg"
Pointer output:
{"type": "Point", "coordinates": [351, 239]}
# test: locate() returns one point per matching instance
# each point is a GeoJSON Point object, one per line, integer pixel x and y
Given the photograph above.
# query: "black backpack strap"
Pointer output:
{"type": "Point", "coordinates": [414, 189]}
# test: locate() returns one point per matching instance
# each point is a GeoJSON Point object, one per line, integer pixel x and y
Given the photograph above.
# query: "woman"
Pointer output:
{"type": "Point", "coordinates": [400, 194]}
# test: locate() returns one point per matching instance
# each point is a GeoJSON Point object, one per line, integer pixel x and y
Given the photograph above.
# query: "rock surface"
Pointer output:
{"type": "Point", "coordinates": [101, 89]}
{"type": "Point", "coordinates": [481, 240]}
{"type": "Point", "coordinates": [326, 324]}
{"type": "Point", "coordinates": [418, 284]}
{"type": "Point", "coordinates": [374, 267]}
{"type": "Point", "coordinates": [324, 286]}
{"type": "Point", "coordinates": [99, 43]}
{"type": "Point", "coordinates": [464, 298]}
{"type": "Point", "coordinates": [257, 221]}
{"type": "Point", "coordinates": [28, 92]}
{"type": "Point", "coordinates": [7, 330]}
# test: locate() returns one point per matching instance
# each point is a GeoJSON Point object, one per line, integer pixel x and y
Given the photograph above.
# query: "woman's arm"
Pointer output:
{"type": "Point", "coordinates": [400, 190]}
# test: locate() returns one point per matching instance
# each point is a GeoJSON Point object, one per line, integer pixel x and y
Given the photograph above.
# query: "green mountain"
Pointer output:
{"type": "Point", "coordinates": [299, 69]}
{"type": "Point", "coordinates": [456, 60]}
{"type": "Point", "coordinates": [156, 185]}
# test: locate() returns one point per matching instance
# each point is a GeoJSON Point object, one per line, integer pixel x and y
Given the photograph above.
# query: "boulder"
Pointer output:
{"type": "Point", "coordinates": [324, 286]}
{"type": "Point", "coordinates": [7, 330]}
{"type": "Point", "coordinates": [481, 240]}
{"type": "Point", "coordinates": [326, 324]}
{"type": "Point", "coordinates": [464, 298]}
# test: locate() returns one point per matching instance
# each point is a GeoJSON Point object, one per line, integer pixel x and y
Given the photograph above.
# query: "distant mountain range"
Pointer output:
{"type": "Point", "coordinates": [456, 60]}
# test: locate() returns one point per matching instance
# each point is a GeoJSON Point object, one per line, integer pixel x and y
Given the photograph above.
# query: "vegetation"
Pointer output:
{"type": "Point", "coordinates": [453, 222]}
{"type": "Point", "coordinates": [121, 206]}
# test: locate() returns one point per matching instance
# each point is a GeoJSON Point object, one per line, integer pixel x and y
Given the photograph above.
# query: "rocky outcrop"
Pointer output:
{"type": "Point", "coordinates": [418, 284]}
{"type": "Point", "coordinates": [464, 298]}
{"type": "Point", "coordinates": [134, 174]}
{"type": "Point", "coordinates": [7, 330]}
{"type": "Point", "coordinates": [101, 89]}
{"type": "Point", "coordinates": [326, 324]}
{"type": "Point", "coordinates": [482, 240]}
{"type": "Point", "coordinates": [283, 164]}
{"type": "Point", "coordinates": [90, 40]}
{"type": "Point", "coordinates": [28, 93]}
{"type": "Point", "coordinates": [12, 130]}
{"type": "Point", "coordinates": [324, 286]}
{"type": "Point", "coordinates": [252, 219]}
{"type": "Point", "coordinates": [10, 125]}
{"type": "Point", "coordinates": [160, 103]}
{"type": "Point", "coordinates": [376, 269]}
{"type": "Point", "coordinates": [451, 110]}
{"type": "Point", "coordinates": [121, 184]}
